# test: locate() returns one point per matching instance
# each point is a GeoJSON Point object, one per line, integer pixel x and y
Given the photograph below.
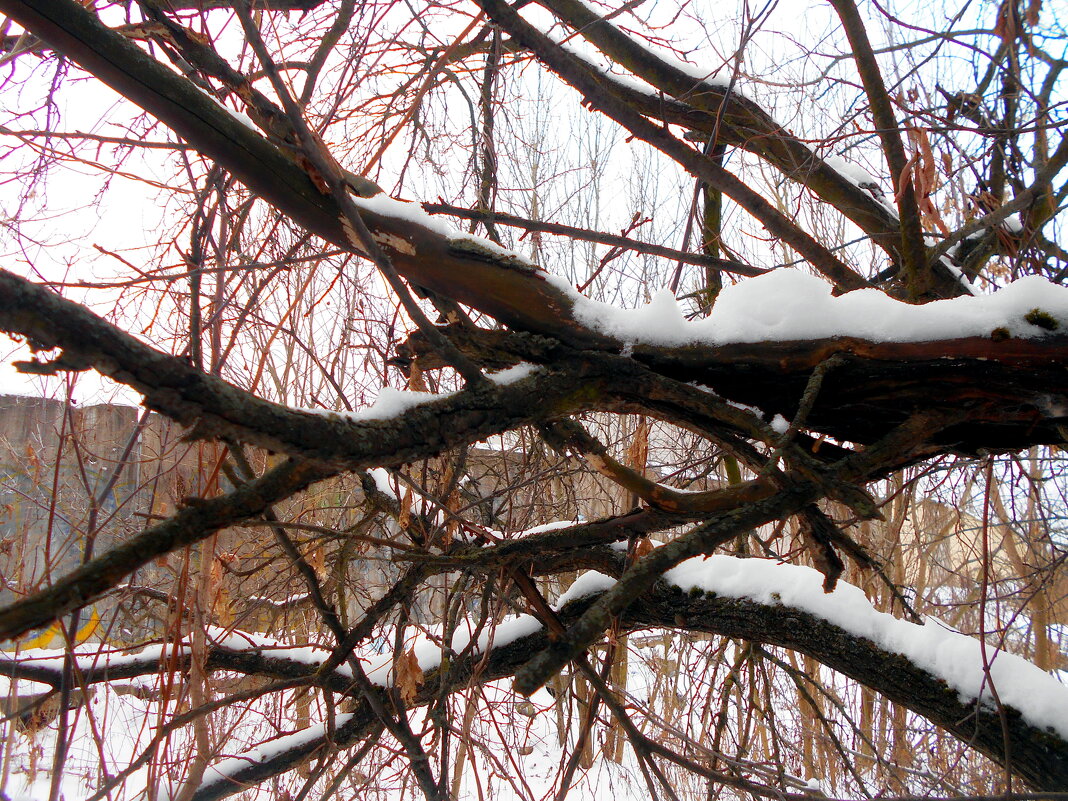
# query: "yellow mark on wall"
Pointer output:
{"type": "Point", "coordinates": [52, 637]}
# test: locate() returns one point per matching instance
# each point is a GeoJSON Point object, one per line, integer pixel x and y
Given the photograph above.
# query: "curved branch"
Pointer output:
{"type": "Point", "coordinates": [712, 108]}
{"type": "Point", "coordinates": [1040, 756]}
{"type": "Point", "coordinates": [216, 408]}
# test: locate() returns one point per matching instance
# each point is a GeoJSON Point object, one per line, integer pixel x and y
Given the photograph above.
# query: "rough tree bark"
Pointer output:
{"type": "Point", "coordinates": [883, 405]}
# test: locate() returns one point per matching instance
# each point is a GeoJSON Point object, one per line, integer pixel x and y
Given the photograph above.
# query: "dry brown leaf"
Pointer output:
{"type": "Point", "coordinates": [638, 449]}
{"type": "Point", "coordinates": [1033, 9]}
{"type": "Point", "coordinates": [925, 178]}
{"type": "Point", "coordinates": [409, 675]}
{"type": "Point", "coordinates": [416, 382]}
{"type": "Point", "coordinates": [220, 598]}
{"type": "Point", "coordinates": [317, 559]}
{"type": "Point", "coordinates": [1005, 26]}
{"type": "Point", "coordinates": [905, 178]}
{"type": "Point", "coordinates": [922, 143]}
{"type": "Point", "coordinates": [405, 516]}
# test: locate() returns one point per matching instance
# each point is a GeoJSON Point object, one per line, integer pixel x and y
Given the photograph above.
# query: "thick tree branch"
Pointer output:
{"type": "Point", "coordinates": [1015, 389]}
{"type": "Point", "coordinates": [1040, 757]}
{"type": "Point", "coordinates": [216, 408]}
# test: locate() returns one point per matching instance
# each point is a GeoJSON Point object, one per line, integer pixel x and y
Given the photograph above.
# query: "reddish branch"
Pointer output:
{"type": "Point", "coordinates": [889, 403]}
{"type": "Point", "coordinates": [571, 70]}
{"type": "Point", "coordinates": [586, 235]}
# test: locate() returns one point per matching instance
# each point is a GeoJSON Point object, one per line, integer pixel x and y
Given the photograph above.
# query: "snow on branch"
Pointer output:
{"type": "Point", "coordinates": [791, 305]}
{"type": "Point", "coordinates": [944, 653]}
{"type": "Point", "coordinates": [936, 672]}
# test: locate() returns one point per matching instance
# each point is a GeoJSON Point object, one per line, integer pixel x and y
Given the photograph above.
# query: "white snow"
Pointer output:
{"type": "Point", "coordinates": [860, 178]}
{"type": "Point", "coordinates": [957, 273]}
{"type": "Point", "coordinates": [553, 526]}
{"type": "Point", "coordinates": [853, 173]}
{"type": "Point", "coordinates": [955, 658]}
{"type": "Point", "coordinates": [89, 656]}
{"type": "Point", "coordinates": [224, 769]}
{"type": "Point", "coordinates": [589, 583]}
{"type": "Point", "coordinates": [788, 304]}
{"type": "Point", "coordinates": [392, 402]}
{"type": "Point", "coordinates": [513, 374]}
{"type": "Point", "coordinates": [389, 404]}
{"type": "Point", "coordinates": [1013, 224]}
{"type": "Point", "coordinates": [413, 214]}
{"type": "Point", "coordinates": [283, 603]}
{"type": "Point", "coordinates": [382, 482]}
{"type": "Point", "coordinates": [402, 210]}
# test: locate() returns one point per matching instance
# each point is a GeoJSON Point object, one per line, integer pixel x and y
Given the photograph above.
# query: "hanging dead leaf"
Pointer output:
{"type": "Point", "coordinates": [1031, 15]}
{"type": "Point", "coordinates": [409, 675]}
{"type": "Point", "coordinates": [317, 559]}
{"type": "Point", "coordinates": [815, 528]}
{"type": "Point", "coordinates": [416, 381]}
{"type": "Point", "coordinates": [905, 178]}
{"type": "Point", "coordinates": [1005, 27]}
{"type": "Point", "coordinates": [925, 178]}
{"type": "Point", "coordinates": [405, 516]}
{"type": "Point", "coordinates": [638, 449]}
{"type": "Point", "coordinates": [220, 598]}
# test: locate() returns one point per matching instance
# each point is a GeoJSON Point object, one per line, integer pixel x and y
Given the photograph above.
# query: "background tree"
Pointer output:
{"type": "Point", "coordinates": [609, 155]}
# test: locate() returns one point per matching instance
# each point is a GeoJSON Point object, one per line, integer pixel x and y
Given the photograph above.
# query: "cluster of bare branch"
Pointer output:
{"type": "Point", "coordinates": [272, 206]}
